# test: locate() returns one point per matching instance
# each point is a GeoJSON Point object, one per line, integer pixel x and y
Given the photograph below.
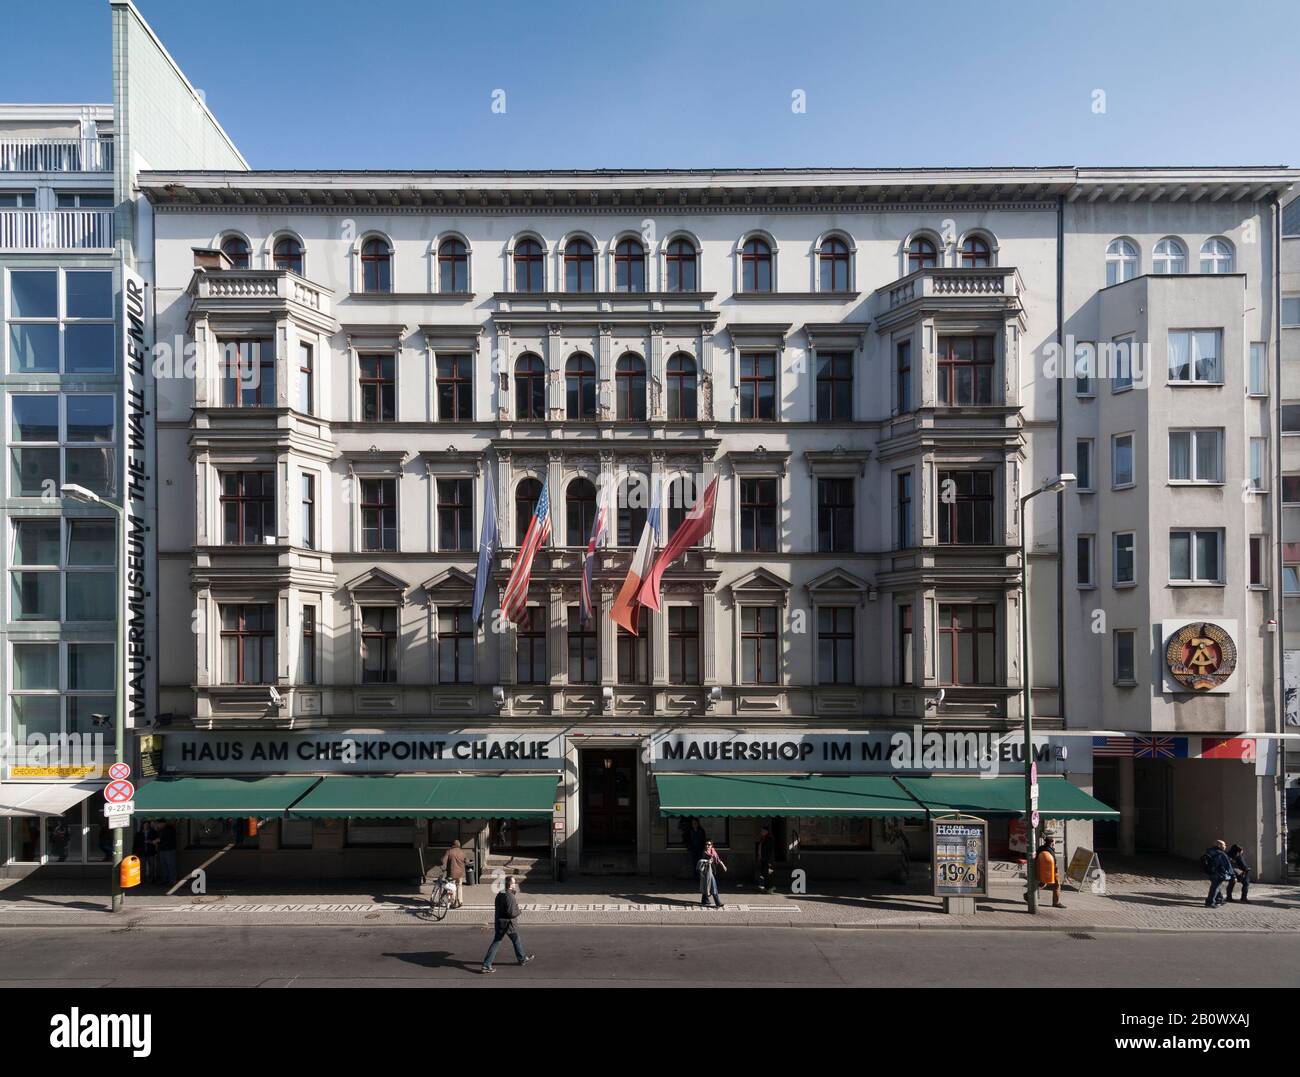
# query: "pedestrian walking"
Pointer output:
{"type": "Point", "coordinates": [453, 867]}
{"type": "Point", "coordinates": [708, 867]}
{"type": "Point", "coordinates": [507, 912]}
{"type": "Point", "coordinates": [166, 845]}
{"type": "Point", "coordinates": [765, 858]}
{"type": "Point", "coordinates": [1240, 873]}
{"type": "Point", "coordinates": [1215, 863]}
{"type": "Point", "coordinates": [1045, 862]}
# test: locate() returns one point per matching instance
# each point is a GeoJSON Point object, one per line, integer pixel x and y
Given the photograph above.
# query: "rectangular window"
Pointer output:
{"type": "Point", "coordinates": [378, 645]}
{"type": "Point", "coordinates": [1291, 310]}
{"type": "Point", "coordinates": [379, 514]}
{"type": "Point", "coordinates": [1291, 568]}
{"type": "Point", "coordinates": [59, 438]}
{"type": "Point", "coordinates": [1257, 375]}
{"type": "Point", "coordinates": [1196, 556]}
{"type": "Point", "coordinates": [378, 382]}
{"type": "Point", "coordinates": [906, 668]}
{"type": "Point", "coordinates": [306, 377]}
{"type": "Point", "coordinates": [759, 645]}
{"type": "Point", "coordinates": [967, 645]}
{"type": "Point", "coordinates": [966, 370]}
{"type": "Point", "coordinates": [758, 500]}
{"type": "Point", "coordinates": [903, 376]}
{"type": "Point", "coordinates": [1258, 463]}
{"type": "Point", "coordinates": [90, 592]}
{"type": "Point", "coordinates": [584, 667]}
{"type": "Point", "coordinates": [1195, 356]}
{"type": "Point", "coordinates": [72, 333]}
{"type": "Point", "coordinates": [634, 652]}
{"type": "Point", "coordinates": [835, 645]}
{"type": "Point", "coordinates": [530, 647]}
{"type": "Point", "coordinates": [307, 655]}
{"type": "Point", "coordinates": [52, 696]}
{"type": "Point", "coordinates": [247, 508]}
{"type": "Point", "coordinates": [1085, 362]}
{"type": "Point", "coordinates": [965, 509]}
{"type": "Point", "coordinates": [1125, 559]}
{"type": "Point", "coordinates": [835, 515]}
{"type": "Point", "coordinates": [834, 386]}
{"type": "Point", "coordinates": [903, 508]}
{"type": "Point", "coordinates": [1125, 656]}
{"type": "Point", "coordinates": [1291, 489]}
{"type": "Point", "coordinates": [1258, 561]}
{"type": "Point", "coordinates": [455, 645]}
{"type": "Point", "coordinates": [308, 481]}
{"type": "Point", "coordinates": [1083, 464]}
{"type": "Point", "coordinates": [35, 578]}
{"type": "Point", "coordinates": [1084, 547]}
{"type": "Point", "coordinates": [455, 514]}
{"type": "Point", "coordinates": [1196, 456]}
{"type": "Point", "coordinates": [1121, 461]}
{"type": "Point", "coordinates": [1291, 418]}
{"type": "Point", "coordinates": [248, 373]}
{"type": "Point", "coordinates": [1122, 349]}
{"type": "Point", "coordinates": [757, 386]}
{"type": "Point", "coordinates": [455, 388]}
{"type": "Point", "coordinates": [248, 643]}
{"type": "Point", "coordinates": [683, 645]}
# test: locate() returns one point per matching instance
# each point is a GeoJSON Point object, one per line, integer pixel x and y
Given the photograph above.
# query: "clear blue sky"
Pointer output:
{"type": "Point", "coordinates": [701, 83]}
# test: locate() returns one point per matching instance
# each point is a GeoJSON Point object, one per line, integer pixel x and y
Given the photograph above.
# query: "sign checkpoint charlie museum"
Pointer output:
{"type": "Point", "coordinates": [351, 803]}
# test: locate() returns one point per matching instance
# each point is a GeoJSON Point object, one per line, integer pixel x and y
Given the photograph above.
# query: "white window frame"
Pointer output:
{"type": "Point", "coordinates": [1115, 483]}
{"type": "Point", "coordinates": [62, 444]}
{"type": "Point", "coordinates": [1121, 352]}
{"type": "Point", "coordinates": [1169, 257]}
{"type": "Point", "coordinates": [1257, 465]}
{"type": "Point", "coordinates": [1254, 543]}
{"type": "Point", "coordinates": [1194, 436]}
{"type": "Point", "coordinates": [1257, 369]}
{"type": "Point", "coordinates": [1291, 302]}
{"type": "Point", "coordinates": [61, 569]}
{"type": "Point", "coordinates": [1114, 567]}
{"type": "Point", "coordinates": [1192, 334]}
{"type": "Point", "coordinates": [1193, 580]}
{"type": "Point", "coordinates": [1123, 255]}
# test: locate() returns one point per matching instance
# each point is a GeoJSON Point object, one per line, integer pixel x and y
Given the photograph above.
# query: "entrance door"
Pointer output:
{"type": "Point", "coordinates": [1151, 798]}
{"type": "Point", "coordinates": [609, 799]}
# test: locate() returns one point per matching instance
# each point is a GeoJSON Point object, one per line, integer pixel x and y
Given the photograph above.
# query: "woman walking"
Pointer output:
{"type": "Point", "coordinates": [708, 871]}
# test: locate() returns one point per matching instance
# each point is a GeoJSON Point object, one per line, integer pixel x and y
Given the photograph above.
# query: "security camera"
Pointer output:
{"type": "Point", "coordinates": [499, 695]}
{"type": "Point", "coordinates": [277, 700]}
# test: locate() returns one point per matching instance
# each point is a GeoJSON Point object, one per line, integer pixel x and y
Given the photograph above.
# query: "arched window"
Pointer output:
{"type": "Point", "coordinates": [1121, 261]}
{"type": "Point", "coordinates": [376, 266]}
{"type": "Point", "coordinates": [287, 254]}
{"type": "Point", "coordinates": [834, 263]}
{"type": "Point", "coordinates": [629, 387]}
{"type": "Point", "coordinates": [681, 265]}
{"type": "Point", "coordinates": [453, 266]}
{"type": "Point", "coordinates": [1170, 256]}
{"type": "Point", "coordinates": [682, 384]}
{"type": "Point", "coordinates": [530, 388]}
{"type": "Point", "coordinates": [756, 266]}
{"type": "Point", "coordinates": [526, 495]}
{"type": "Point", "coordinates": [580, 387]}
{"type": "Point", "coordinates": [580, 511]}
{"type": "Point", "coordinates": [1216, 256]}
{"type": "Point", "coordinates": [633, 507]}
{"type": "Point", "coordinates": [237, 250]}
{"type": "Point", "coordinates": [975, 253]}
{"type": "Point", "coordinates": [530, 275]}
{"type": "Point", "coordinates": [629, 266]}
{"type": "Point", "coordinates": [579, 266]}
{"type": "Point", "coordinates": [921, 254]}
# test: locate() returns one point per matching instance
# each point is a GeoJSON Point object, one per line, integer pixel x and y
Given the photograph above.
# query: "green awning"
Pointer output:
{"type": "Point", "coordinates": [1004, 796]}
{"type": "Point", "coordinates": [847, 796]}
{"type": "Point", "coordinates": [522, 796]}
{"type": "Point", "coordinates": [218, 798]}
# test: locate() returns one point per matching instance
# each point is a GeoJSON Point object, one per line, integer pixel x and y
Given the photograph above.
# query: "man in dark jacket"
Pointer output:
{"type": "Point", "coordinates": [1219, 868]}
{"type": "Point", "coordinates": [765, 855]}
{"type": "Point", "coordinates": [507, 912]}
{"type": "Point", "coordinates": [1240, 872]}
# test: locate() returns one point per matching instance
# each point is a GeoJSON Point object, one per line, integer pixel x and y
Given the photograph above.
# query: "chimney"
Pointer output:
{"type": "Point", "coordinates": [210, 258]}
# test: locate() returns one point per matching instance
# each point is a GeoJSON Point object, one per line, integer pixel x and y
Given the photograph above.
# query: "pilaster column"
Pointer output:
{"type": "Point", "coordinates": [498, 379]}
{"type": "Point", "coordinates": [204, 610]}
{"type": "Point", "coordinates": [608, 641]}
{"type": "Point", "coordinates": [557, 638]}
{"type": "Point", "coordinates": [657, 374]}
{"type": "Point", "coordinates": [505, 500]}
{"type": "Point", "coordinates": [283, 339]}
{"type": "Point", "coordinates": [709, 635]}
{"type": "Point", "coordinates": [555, 403]}
{"type": "Point", "coordinates": [508, 668]}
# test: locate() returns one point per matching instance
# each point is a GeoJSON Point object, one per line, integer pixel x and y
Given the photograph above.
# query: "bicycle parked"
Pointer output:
{"type": "Point", "coordinates": [441, 898]}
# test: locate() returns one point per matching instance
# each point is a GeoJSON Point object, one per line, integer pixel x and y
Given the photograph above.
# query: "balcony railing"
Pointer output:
{"type": "Point", "coordinates": [56, 229]}
{"type": "Point", "coordinates": [997, 281]}
{"type": "Point", "coordinates": [56, 155]}
{"type": "Point", "coordinates": [268, 284]}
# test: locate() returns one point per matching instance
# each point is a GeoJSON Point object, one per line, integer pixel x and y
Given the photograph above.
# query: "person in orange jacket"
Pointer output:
{"type": "Point", "coordinates": [1047, 876]}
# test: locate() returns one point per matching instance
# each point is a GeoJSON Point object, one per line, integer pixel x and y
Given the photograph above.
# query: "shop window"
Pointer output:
{"type": "Point", "coordinates": [389, 833]}
{"type": "Point", "coordinates": [717, 829]}
{"type": "Point", "coordinates": [831, 834]}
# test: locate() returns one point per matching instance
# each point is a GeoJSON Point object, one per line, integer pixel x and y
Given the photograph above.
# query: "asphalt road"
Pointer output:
{"type": "Point", "coordinates": [651, 956]}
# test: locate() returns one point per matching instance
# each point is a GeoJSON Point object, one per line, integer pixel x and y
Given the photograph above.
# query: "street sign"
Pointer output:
{"type": "Point", "coordinates": [119, 791]}
{"type": "Point", "coordinates": [119, 822]}
{"type": "Point", "coordinates": [1034, 820]}
{"type": "Point", "coordinates": [119, 770]}
{"type": "Point", "coordinates": [125, 807]}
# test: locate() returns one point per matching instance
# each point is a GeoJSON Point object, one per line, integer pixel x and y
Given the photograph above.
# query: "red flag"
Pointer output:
{"type": "Point", "coordinates": [697, 525]}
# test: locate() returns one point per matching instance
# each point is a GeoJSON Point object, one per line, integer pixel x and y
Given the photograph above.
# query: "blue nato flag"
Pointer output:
{"type": "Point", "coordinates": [487, 548]}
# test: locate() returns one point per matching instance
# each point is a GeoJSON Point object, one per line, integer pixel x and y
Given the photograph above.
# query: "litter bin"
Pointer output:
{"type": "Point", "coordinates": [470, 875]}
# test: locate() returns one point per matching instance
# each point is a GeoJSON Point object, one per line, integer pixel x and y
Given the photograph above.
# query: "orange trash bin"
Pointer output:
{"type": "Point", "coordinates": [129, 873]}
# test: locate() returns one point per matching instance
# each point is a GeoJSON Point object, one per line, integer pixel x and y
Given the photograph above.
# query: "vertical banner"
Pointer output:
{"type": "Point", "coordinates": [134, 560]}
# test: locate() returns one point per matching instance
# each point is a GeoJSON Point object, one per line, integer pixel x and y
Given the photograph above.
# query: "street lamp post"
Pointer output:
{"type": "Point", "coordinates": [89, 497]}
{"type": "Point", "coordinates": [1053, 485]}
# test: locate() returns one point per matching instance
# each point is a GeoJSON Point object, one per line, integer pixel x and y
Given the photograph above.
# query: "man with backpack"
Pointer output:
{"type": "Point", "coordinates": [507, 912]}
{"type": "Point", "coordinates": [1215, 864]}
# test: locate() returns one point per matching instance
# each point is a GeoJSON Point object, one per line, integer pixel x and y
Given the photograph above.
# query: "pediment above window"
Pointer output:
{"type": "Point", "coordinates": [376, 585]}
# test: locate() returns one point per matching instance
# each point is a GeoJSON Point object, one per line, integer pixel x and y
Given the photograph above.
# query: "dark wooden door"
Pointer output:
{"type": "Point", "coordinates": [609, 799]}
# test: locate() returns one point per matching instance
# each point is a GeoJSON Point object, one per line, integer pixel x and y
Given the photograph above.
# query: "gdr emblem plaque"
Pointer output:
{"type": "Point", "coordinates": [1201, 656]}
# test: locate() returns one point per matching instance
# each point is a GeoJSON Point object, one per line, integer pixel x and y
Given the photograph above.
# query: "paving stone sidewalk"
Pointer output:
{"type": "Point", "coordinates": [1131, 903]}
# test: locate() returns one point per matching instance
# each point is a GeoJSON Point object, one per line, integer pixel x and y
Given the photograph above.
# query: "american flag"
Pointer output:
{"type": "Point", "coordinates": [598, 528]}
{"type": "Point", "coordinates": [1159, 748]}
{"type": "Point", "coordinates": [515, 601]}
{"type": "Point", "coordinates": [1112, 746]}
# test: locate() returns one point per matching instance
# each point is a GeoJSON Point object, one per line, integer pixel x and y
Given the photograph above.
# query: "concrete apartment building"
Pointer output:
{"type": "Point", "coordinates": [67, 252]}
{"type": "Point", "coordinates": [1288, 375]}
{"type": "Point", "coordinates": [869, 361]}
